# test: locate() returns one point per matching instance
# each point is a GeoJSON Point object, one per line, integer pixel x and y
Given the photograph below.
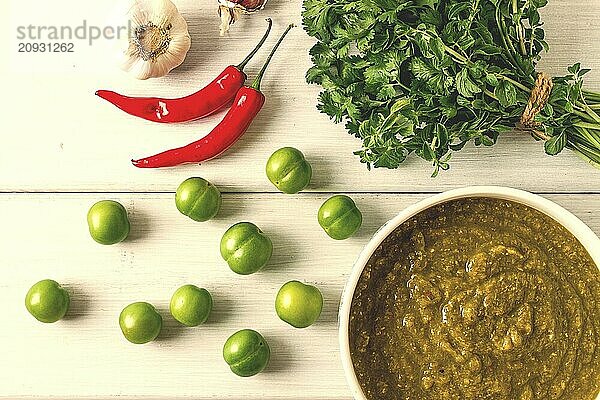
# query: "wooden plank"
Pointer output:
{"type": "Point", "coordinates": [45, 236]}
{"type": "Point", "coordinates": [59, 136]}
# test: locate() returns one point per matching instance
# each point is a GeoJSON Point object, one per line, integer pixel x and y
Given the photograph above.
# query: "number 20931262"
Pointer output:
{"type": "Point", "coordinates": [28, 47]}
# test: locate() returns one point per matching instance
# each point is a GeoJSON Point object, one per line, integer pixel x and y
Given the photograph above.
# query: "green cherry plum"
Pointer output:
{"type": "Point", "coordinates": [339, 217]}
{"type": "Point", "coordinates": [191, 305]}
{"type": "Point", "coordinates": [140, 322]}
{"type": "Point", "coordinates": [198, 199]}
{"type": "Point", "coordinates": [245, 248]}
{"type": "Point", "coordinates": [288, 170]}
{"type": "Point", "coordinates": [246, 352]}
{"type": "Point", "coordinates": [298, 304]}
{"type": "Point", "coordinates": [108, 222]}
{"type": "Point", "coordinates": [47, 301]}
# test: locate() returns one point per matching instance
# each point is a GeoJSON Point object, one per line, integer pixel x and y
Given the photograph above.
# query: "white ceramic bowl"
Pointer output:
{"type": "Point", "coordinates": [581, 231]}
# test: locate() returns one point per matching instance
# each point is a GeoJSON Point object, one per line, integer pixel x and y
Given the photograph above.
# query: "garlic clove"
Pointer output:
{"type": "Point", "coordinates": [137, 67]}
{"type": "Point", "coordinates": [230, 11]}
{"type": "Point", "coordinates": [158, 39]}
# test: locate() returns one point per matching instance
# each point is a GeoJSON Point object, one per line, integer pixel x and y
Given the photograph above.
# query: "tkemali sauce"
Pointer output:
{"type": "Point", "coordinates": [478, 298]}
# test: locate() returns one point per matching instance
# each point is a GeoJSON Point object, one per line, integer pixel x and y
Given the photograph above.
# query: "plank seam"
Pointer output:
{"type": "Point", "coordinates": [316, 193]}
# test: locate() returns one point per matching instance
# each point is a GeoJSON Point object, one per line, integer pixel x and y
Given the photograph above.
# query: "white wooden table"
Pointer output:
{"type": "Point", "coordinates": [63, 149]}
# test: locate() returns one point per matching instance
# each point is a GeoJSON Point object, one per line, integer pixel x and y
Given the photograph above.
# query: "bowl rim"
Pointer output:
{"type": "Point", "coordinates": [578, 228]}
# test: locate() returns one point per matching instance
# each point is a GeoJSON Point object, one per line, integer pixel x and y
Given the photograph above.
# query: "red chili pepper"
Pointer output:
{"type": "Point", "coordinates": [204, 102]}
{"type": "Point", "coordinates": [248, 102]}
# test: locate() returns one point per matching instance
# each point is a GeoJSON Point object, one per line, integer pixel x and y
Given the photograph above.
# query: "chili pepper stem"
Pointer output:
{"type": "Point", "coordinates": [241, 65]}
{"type": "Point", "coordinates": [256, 83]}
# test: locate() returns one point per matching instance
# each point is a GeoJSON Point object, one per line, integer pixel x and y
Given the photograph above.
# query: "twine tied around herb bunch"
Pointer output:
{"type": "Point", "coordinates": [537, 100]}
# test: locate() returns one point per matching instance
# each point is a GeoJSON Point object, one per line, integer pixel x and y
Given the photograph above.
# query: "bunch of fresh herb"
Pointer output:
{"type": "Point", "coordinates": [429, 76]}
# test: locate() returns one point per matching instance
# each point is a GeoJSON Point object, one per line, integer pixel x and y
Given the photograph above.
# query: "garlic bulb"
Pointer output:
{"type": "Point", "coordinates": [158, 39]}
{"type": "Point", "coordinates": [230, 11]}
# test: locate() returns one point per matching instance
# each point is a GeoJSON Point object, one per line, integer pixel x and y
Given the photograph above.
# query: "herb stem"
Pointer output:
{"type": "Point", "coordinates": [589, 150]}
{"type": "Point", "coordinates": [589, 95]}
{"type": "Point", "coordinates": [589, 137]}
{"type": "Point", "coordinates": [582, 115]}
{"type": "Point", "coordinates": [498, 18]}
{"type": "Point", "coordinates": [490, 94]}
{"type": "Point", "coordinates": [462, 60]}
{"type": "Point", "coordinates": [459, 57]}
{"type": "Point", "coordinates": [587, 125]}
{"type": "Point", "coordinates": [539, 134]}
{"type": "Point", "coordinates": [519, 28]}
{"type": "Point", "coordinates": [596, 137]}
{"type": "Point", "coordinates": [403, 86]}
{"type": "Point", "coordinates": [584, 155]}
{"type": "Point", "coordinates": [512, 47]}
{"type": "Point", "coordinates": [532, 41]}
{"type": "Point", "coordinates": [591, 113]}
{"type": "Point", "coordinates": [517, 84]}
{"type": "Point", "coordinates": [474, 11]}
